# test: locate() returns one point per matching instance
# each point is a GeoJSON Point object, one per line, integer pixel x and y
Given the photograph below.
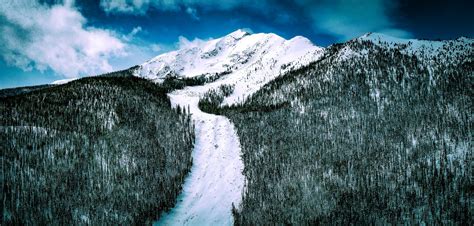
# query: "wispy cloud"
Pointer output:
{"type": "Point", "coordinates": [156, 47]}
{"type": "Point", "coordinates": [184, 43]}
{"type": "Point", "coordinates": [351, 18]}
{"type": "Point", "coordinates": [125, 6]}
{"type": "Point", "coordinates": [38, 36]}
{"type": "Point", "coordinates": [192, 12]}
{"type": "Point", "coordinates": [132, 33]}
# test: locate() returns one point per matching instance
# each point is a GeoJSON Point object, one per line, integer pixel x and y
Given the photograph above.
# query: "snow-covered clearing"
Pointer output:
{"type": "Point", "coordinates": [215, 180]}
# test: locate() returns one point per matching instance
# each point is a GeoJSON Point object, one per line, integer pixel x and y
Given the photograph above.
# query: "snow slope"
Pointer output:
{"type": "Point", "coordinates": [215, 181]}
{"type": "Point", "coordinates": [249, 61]}
{"type": "Point", "coordinates": [63, 81]}
{"type": "Point", "coordinates": [446, 51]}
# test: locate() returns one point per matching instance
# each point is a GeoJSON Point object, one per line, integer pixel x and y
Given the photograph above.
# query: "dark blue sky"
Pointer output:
{"type": "Point", "coordinates": [47, 40]}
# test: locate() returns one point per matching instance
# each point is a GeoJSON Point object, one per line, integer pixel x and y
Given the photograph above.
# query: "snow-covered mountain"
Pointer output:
{"type": "Point", "coordinates": [446, 51]}
{"type": "Point", "coordinates": [436, 61]}
{"type": "Point", "coordinates": [245, 60]}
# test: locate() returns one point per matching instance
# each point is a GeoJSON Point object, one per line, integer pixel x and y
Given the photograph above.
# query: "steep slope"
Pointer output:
{"type": "Point", "coordinates": [99, 151]}
{"type": "Point", "coordinates": [445, 52]}
{"type": "Point", "coordinates": [403, 59]}
{"type": "Point", "coordinates": [247, 61]}
{"type": "Point", "coordinates": [377, 131]}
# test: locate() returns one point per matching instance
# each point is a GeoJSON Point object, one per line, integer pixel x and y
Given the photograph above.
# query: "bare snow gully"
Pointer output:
{"type": "Point", "coordinates": [215, 182]}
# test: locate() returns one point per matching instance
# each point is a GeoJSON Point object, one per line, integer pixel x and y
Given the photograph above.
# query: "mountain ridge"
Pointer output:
{"type": "Point", "coordinates": [237, 54]}
{"type": "Point", "coordinates": [233, 49]}
{"type": "Point", "coordinates": [243, 60]}
{"type": "Point", "coordinates": [249, 61]}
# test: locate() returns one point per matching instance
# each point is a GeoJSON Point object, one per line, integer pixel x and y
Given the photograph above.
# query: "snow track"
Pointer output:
{"type": "Point", "coordinates": [215, 181]}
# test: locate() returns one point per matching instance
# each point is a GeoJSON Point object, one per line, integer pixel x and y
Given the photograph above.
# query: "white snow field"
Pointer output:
{"type": "Point", "coordinates": [215, 180]}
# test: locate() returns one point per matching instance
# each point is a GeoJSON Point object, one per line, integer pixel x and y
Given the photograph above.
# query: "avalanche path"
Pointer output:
{"type": "Point", "coordinates": [215, 180]}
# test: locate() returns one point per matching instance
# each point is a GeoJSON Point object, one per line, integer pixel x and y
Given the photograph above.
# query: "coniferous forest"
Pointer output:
{"type": "Point", "coordinates": [376, 138]}
{"type": "Point", "coordinates": [107, 150]}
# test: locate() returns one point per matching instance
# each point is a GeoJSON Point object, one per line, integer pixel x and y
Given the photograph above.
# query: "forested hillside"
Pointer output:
{"type": "Point", "coordinates": [367, 134]}
{"type": "Point", "coordinates": [103, 150]}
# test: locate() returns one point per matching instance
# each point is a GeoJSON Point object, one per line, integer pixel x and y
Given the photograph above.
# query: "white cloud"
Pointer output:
{"type": "Point", "coordinates": [132, 33]}
{"type": "Point", "coordinates": [135, 30]}
{"type": "Point", "coordinates": [125, 6]}
{"type": "Point", "coordinates": [184, 43]}
{"type": "Point", "coordinates": [156, 47]}
{"type": "Point", "coordinates": [37, 36]}
{"type": "Point", "coordinates": [192, 12]}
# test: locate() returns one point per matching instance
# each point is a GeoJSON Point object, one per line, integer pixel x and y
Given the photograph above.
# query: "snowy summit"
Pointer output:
{"type": "Point", "coordinates": [245, 60]}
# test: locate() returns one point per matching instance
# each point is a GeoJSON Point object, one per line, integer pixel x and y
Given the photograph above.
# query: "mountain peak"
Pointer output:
{"type": "Point", "coordinates": [240, 33]}
{"type": "Point", "coordinates": [244, 60]}
{"type": "Point", "coordinates": [379, 37]}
